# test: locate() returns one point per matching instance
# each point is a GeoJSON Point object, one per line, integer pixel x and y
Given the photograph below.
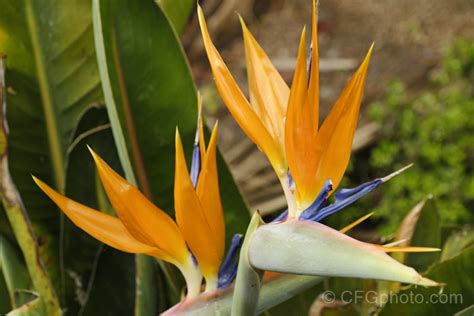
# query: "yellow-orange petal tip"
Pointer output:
{"type": "Point", "coordinates": [371, 49]}
{"type": "Point", "coordinates": [36, 180]}
{"type": "Point", "coordinates": [93, 153]}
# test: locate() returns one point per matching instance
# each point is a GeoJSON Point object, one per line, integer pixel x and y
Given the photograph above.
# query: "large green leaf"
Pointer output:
{"type": "Point", "coordinates": [457, 242]}
{"type": "Point", "coordinates": [178, 12]}
{"type": "Point", "coordinates": [427, 234]}
{"type": "Point", "coordinates": [468, 311]}
{"type": "Point", "coordinates": [5, 227]}
{"type": "Point", "coordinates": [32, 308]}
{"type": "Point", "coordinates": [14, 273]}
{"type": "Point", "coordinates": [275, 290]}
{"type": "Point", "coordinates": [113, 289]}
{"type": "Point", "coordinates": [299, 304]}
{"type": "Point", "coordinates": [52, 77]}
{"type": "Point", "coordinates": [5, 304]}
{"type": "Point", "coordinates": [50, 48]}
{"type": "Point", "coordinates": [457, 295]}
{"type": "Point", "coordinates": [16, 214]}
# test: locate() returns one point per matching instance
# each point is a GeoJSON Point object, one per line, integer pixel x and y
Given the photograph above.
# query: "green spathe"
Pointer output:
{"type": "Point", "coordinates": [311, 248]}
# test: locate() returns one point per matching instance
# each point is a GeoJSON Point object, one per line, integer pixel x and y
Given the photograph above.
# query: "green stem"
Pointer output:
{"type": "Point", "coordinates": [247, 282]}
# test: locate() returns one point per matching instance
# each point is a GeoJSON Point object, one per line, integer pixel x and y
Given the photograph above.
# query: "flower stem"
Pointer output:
{"type": "Point", "coordinates": [193, 277]}
{"type": "Point", "coordinates": [211, 284]}
{"type": "Point", "coordinates": [290, 198]}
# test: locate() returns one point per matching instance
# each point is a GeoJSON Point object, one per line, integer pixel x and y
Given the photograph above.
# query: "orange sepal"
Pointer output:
{"type": "Point", "coordinates": [209, 195]}
{"type": "Point", "coordinates": [101, 226]}
{"type": "Point", "coordinates": [268, 91]}
{"type": "Point", "coordinates": [334, 140]}
{"type": "Point", "coordinates": [301, 131]}
{"type": "Point", "coordinates": [145, 221]}
{"type": "Point", "coordinates": [191, 219]}
{"type": "Point", "coordinates": [238, 105]}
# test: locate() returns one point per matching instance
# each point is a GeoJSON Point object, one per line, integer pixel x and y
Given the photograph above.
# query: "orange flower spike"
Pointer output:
{"type": "Point", "coordinates": [302, 123]}
{"type": "Point", "coordinates": [299, 130]}
{"type": "Point", "coordinates": [192, 221]}
{"type": "Point", "coordinates": [268, 91]}
{"type": "Point", "coordinates": [238, 105]}
{"type": "Point", "coordinates": [145, 221]}
{"type": "Point", "coordinates": [209, 195]}
{"type": "Point", "coordinates": [101, 226]}
{"type": "Point", "coordinates": [334, 140]}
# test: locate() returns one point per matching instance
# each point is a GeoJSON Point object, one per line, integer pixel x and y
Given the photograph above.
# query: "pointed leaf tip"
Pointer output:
{"type": "Point", "coordinates": [429, 283]}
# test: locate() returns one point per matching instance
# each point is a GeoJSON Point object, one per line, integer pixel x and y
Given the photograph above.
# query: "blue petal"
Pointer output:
{"type": "Point", "coordinates": [309, 61]}
{"type": "Point", "coordinates": [195, 164]}
{"type": "Point", "coordinates": [196, 160]}
{"type": "Point", "coordinates": [344, 198]}
{"type": "Point", "coordinates": [316, 206]}
{"type": "Point", "coordinates": [281, 217]}
{"type": "Point", "coordinates": [195, 262]}
{"type": "Point", "coordinates": [228, 269]}
{"type": "Point", "coordinates": [291, 182]}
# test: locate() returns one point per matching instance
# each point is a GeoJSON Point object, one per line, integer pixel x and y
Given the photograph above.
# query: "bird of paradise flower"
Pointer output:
{"type": "Point", "coordinates": [309, 161]}
{"type": "Point", "coordinates": [195, 243]}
